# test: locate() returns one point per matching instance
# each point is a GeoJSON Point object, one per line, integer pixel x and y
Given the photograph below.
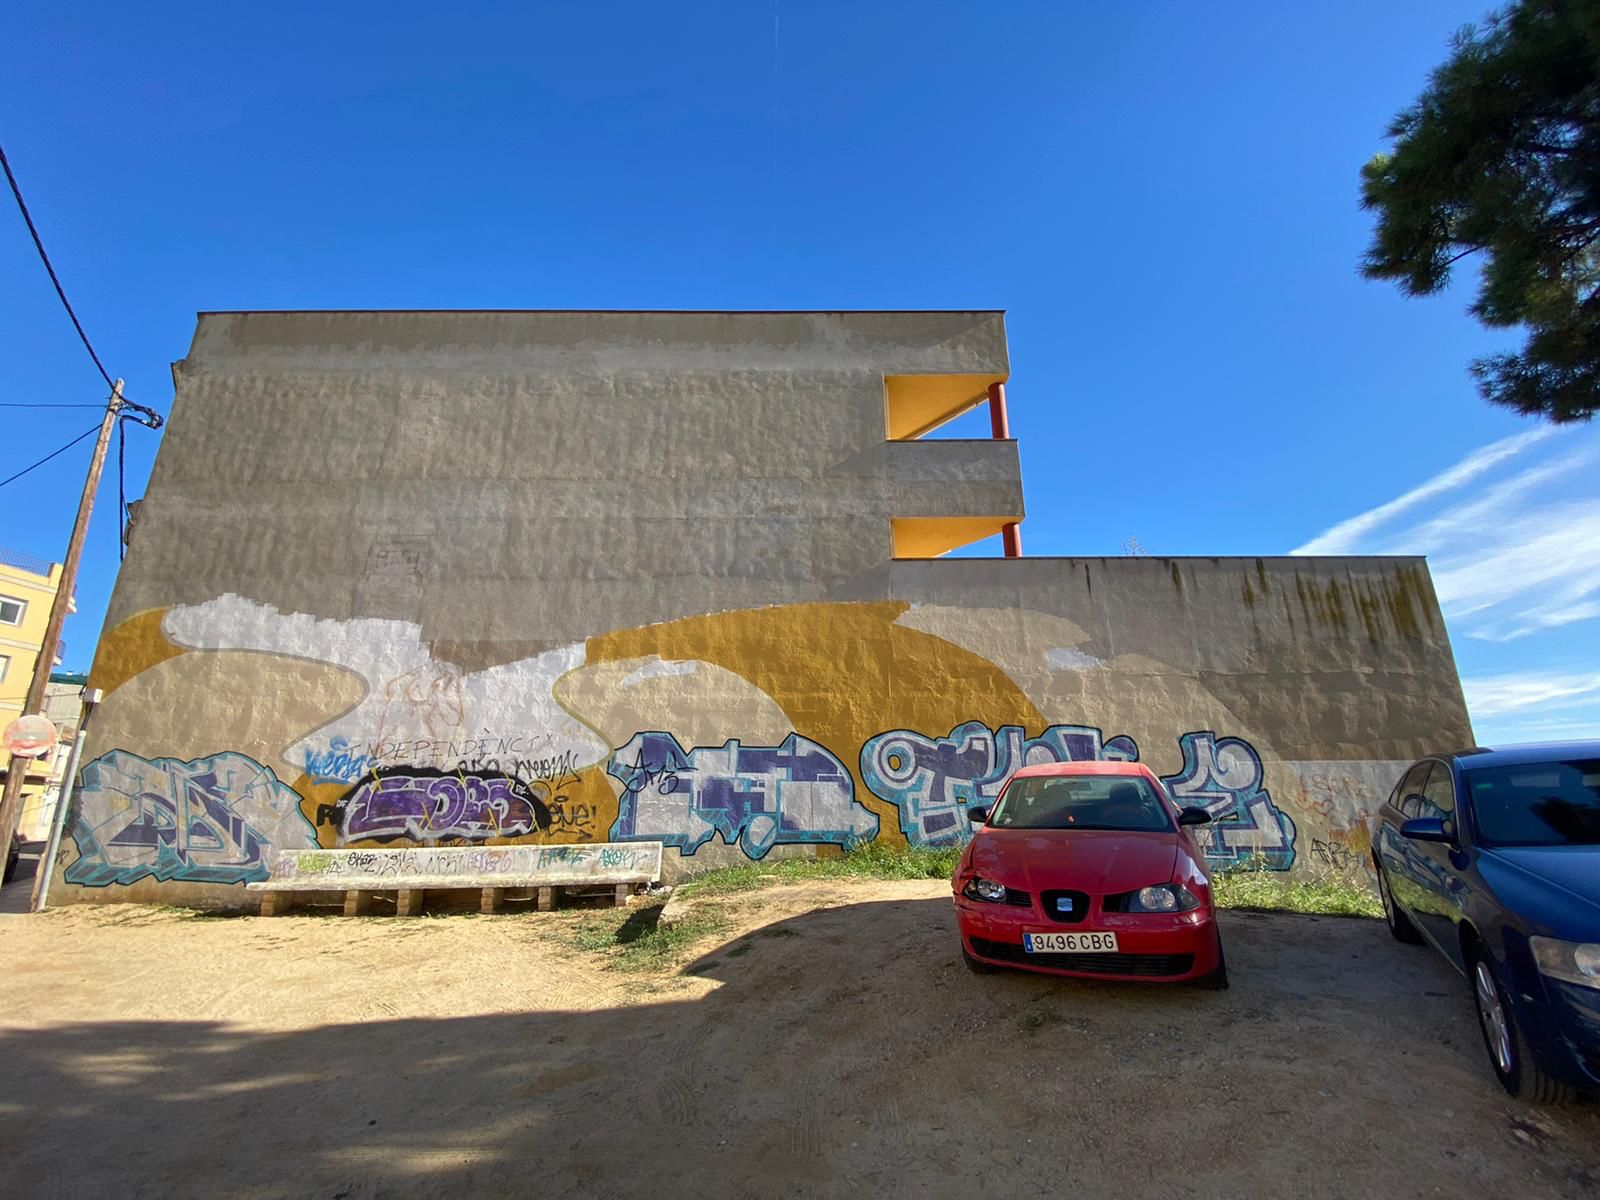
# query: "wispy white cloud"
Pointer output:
{"type": "Point", "coordinates": [1512, 537]}
{"type": "Point", "coordinates": [1528, 571]}
{"type": "Point", "coordinates": [1344, 537]}
{"type": "Point", "coordinates": [1496, 695]}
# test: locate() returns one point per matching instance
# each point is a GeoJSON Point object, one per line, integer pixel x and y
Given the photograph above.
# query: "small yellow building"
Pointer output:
{"type": "Point", "coordinates": [28, 587]}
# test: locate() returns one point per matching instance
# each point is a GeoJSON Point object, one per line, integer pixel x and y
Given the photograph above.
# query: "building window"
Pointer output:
{"type": "Point", "coordinates": [5, 666]}
{"type": "Point", "coordinates": [11, 610]}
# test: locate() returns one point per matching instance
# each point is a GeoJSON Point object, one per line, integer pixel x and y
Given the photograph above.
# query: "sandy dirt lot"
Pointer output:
{"type": "Point", "coordinates": [830, 1044]}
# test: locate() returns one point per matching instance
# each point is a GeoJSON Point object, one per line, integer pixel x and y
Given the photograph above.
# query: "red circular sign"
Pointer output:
{"type": "Point", "coordinates": [31, 736]}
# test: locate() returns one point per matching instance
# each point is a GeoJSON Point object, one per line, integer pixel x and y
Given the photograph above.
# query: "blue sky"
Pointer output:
{"type": "Point", "coordinates": [1162, 195]}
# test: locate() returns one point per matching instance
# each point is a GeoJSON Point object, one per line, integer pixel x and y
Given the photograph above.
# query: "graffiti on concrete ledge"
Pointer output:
{"type": "Point", "coordinates": [1223, 776]}
{"type": "Point", "coordinates": [209, 820]}
{"type": "Point", "coordinates": [934, 781]}
{"type": "Point", "coordinates": [763, 796]}
{"type": "Point", "coordinates": [426, 805]}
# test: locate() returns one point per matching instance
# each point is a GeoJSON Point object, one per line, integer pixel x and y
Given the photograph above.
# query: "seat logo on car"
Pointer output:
{"type": "Point", "coordinates": [1064, 904]}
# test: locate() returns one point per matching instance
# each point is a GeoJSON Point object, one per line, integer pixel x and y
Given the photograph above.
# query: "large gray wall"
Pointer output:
{"type": "Point", "coordinates": [563, 557]}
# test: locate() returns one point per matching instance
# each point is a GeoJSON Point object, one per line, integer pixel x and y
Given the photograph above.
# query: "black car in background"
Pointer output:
{"type": "Point", "coordinates": [1493, 856]}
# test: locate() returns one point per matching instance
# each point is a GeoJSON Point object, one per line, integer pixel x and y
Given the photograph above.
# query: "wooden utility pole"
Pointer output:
{"type": "Point", "coordinates": [10, 800]}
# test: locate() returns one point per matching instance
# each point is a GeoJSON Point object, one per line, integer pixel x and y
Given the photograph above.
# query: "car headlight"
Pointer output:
{"type": "Point", "coordinates": [1163, 898]}
{"type": "Point", "coordinates": [1574, 962]}
{"type": "Point", "coordinates": [979, 888]}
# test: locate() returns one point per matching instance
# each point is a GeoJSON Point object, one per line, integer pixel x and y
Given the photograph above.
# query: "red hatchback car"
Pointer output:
{"type": "Point", "coordinates": [1089, 869]}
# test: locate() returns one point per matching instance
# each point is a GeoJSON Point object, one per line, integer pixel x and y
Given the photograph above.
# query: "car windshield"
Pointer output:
{"type": "Point", "coordinates": [1537, 804]}
{"type": "Point", "coordinates": [1126, 802]}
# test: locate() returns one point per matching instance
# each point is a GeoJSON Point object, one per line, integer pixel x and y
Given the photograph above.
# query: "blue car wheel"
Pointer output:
{"type": "Point", "coordinates": [1509, 1056]}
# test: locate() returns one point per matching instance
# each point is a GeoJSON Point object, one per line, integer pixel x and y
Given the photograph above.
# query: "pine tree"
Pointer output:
{"type": "Point", "coordinates": [1500, 156]}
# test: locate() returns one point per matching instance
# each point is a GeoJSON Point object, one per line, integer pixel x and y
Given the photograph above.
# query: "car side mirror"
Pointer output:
{"type": "Point", "coordinates": [977, 814]}
{"type": "Point", "coordinates": [1193, 814]}
{"type": "Point", "coordinates": [1425, 829]}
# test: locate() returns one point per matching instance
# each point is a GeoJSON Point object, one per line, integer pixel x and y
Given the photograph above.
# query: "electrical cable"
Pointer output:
{"type": "Point", "coordinates": [38, 244]}
{"type": "Point", "coordinates": [52, 406]}
{"type": "Point", "coordinates": [93, 429]}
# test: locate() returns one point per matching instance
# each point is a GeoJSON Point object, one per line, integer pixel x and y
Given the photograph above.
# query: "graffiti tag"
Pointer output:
{"type": "Point", "coordinates": [761, 796]}
{"type": "Point", "coordinates": [933, 781]}
{"type": "Point", "coordinates": [425, 805]}
{"type": "Point", "coordinates": [208, 820]}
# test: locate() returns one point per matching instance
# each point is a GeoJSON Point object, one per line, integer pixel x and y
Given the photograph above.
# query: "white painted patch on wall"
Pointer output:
{"type": "Point", "coordinates": [1070, 658]}
{"type": "Point", "coordinates": [660, 669]}
{"type": "Point", "coordinates": [417, 710]}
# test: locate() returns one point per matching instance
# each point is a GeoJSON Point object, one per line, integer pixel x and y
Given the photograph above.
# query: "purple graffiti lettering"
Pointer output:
{"type": "Point", "coordinates": [425, 805]}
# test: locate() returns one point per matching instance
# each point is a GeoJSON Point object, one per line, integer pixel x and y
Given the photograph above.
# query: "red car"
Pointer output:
{"type": "Point", "coordinates": [1089, 869]}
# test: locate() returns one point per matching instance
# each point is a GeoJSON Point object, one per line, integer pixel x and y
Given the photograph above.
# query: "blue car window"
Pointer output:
{"type": "Point", "coordinates": [1537, 804]}
{"type": "Point", "coordinates": [1412, 785]}
{"type": "Point", "coordinates": [1439, 794]}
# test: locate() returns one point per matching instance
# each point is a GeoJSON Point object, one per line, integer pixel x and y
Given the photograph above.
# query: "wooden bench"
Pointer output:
{"type": "Point", "coordinates": [413, 872]}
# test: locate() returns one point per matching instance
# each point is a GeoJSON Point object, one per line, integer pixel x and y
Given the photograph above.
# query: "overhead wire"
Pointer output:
{"type": "Point", "coordinates": [93, 429]}
{"type": "Point", "coordinates": [38, 244]}
{"type": "Point", "coordinates": [147, 417]}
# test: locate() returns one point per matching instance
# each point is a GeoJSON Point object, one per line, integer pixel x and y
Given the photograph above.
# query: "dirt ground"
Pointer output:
{"type": "Point", "coordinates": [829, 1044]}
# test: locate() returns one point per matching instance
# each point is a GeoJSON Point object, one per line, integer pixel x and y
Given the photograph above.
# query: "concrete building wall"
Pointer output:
{"type": "Point", "coordinates": [460, 578]}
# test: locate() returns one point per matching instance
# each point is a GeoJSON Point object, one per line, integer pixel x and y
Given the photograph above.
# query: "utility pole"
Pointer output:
{"type": "Point", "coordinates": [10, 806]}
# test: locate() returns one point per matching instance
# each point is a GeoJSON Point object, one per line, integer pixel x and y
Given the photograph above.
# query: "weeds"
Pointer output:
{"type": "Point", "coordinates": [870, 861]}
{"type": "Point", "coordinates": [637, 941]}
{"type": "Point", "coordinates": [1251, 886]}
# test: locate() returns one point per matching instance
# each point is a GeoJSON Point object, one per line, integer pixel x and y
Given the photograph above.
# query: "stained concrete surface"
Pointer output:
{"type": "Point", "coordinates": [830, 1044]}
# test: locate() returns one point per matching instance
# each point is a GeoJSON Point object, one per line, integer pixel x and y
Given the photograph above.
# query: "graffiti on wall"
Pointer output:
{"type": "Point", "coordinates": [761, 796]}
{"type": "Point", "coordinates": [425, 805]}
{"type": "Point", "coordinates": [208, 820]}
{"type": "Point", "coordinates": [417, 709]}
{"type": "Point", "coordinates": [339, 763]}
{"type": "Point", "coordinates": [1224, 777]}
{"type": "Point", "coordinates": [933, 781]}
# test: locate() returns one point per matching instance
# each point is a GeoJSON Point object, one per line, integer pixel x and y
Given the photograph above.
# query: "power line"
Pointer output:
{"type": "Point", "coordinates": [45, 258]}
{"type": "Point", "coordinates": [52, 406]}
{"type": "Point", "coordinates": [93, 429]}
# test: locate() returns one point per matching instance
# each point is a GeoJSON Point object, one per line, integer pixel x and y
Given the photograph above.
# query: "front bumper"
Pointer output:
{"type": "Point", "coordinates": [1152, 947]}
{"type": "Point", "coordinates": [1564, 1032]}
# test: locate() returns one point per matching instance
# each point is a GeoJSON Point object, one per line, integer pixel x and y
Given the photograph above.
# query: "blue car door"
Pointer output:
{"type": "Point", "coordinates": [1439, 865]}
{"type": "Point", "coordinates": [1398, 855]}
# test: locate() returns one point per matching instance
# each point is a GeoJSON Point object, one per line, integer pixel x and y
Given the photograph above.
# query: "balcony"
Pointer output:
{"type": "Point", "coordinates": [948, 494]}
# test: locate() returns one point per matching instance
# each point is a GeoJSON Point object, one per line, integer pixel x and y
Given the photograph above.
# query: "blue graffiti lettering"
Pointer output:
{"type": "Point", "coordinates": [934, 781]}
{"type": "Point", "coordinates": [209, 820]}
{"type": "Point", "coordinates": [762, 796]}
{"type": "Point", "coordinates": [1223, 776]}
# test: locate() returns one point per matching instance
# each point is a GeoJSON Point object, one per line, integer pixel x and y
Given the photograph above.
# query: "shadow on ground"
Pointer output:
{"type": "Point", "coordinates": [846, 1052]}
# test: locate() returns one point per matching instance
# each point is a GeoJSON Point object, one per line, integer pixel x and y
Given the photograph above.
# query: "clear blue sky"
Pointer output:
{"type": "Point", "coordinates": [1162, 195]}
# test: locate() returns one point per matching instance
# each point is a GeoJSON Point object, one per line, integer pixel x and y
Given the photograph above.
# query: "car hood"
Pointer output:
{"type": "Point", "coordinates": [1097, 861]}
{"type": "Point", "coordinates": [1573, 868]}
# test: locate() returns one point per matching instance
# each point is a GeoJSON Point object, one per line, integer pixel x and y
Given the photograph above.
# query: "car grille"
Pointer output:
{"type": "Point", "coordinates": [1080, 906]}
{"type": "Point", "coordinates": [1152, 965]}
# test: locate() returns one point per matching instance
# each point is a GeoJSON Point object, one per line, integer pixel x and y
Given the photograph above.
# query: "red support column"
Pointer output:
{"type": "Point", "coordinates": [998, 424]}
{"type": "Point", "coordinates": [1000, 428]}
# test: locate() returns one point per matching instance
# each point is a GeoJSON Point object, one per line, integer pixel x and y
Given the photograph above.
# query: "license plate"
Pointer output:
{"type": "Point", "coordinates": [1070, 943]}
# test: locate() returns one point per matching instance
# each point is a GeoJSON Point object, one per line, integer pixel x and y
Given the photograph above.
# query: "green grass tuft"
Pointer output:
{"type": "Point", "coordinates": [637, 941]}
{"type": "Point", "coordinates": [869, 861]}
{"type": "Point", "coordinates": [1252, 887]}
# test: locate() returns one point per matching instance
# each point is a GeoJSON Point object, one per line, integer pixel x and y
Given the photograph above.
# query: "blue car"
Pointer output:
{"type": "Point", "coordinates": [1494, 857]}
